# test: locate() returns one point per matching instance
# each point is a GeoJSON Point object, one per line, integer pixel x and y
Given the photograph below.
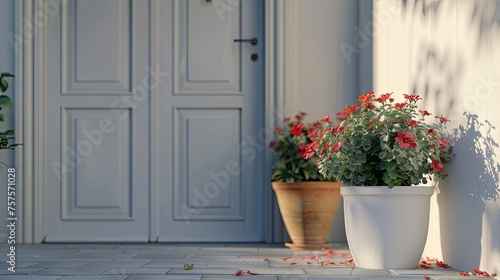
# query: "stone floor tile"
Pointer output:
{"type": "Point", "coordinates": [232, 271]}
{"type": "Point", "coordinates": [29, 277]}
{"type": "Point", "coordinates": [164, 277]}
{"type": "Point", "coordinates": [21, 270]}
{"type": "Point", "coordinates": [372, 272]}
{"type": "Point", "coordinates": [115, 264]}
{"type": "Point", "coordinates": [253, 277]}
{"type": "Point", "coordinates": [314, 277]}
{"type": "Point", "coordinates": [72, 271]}
{"type": "Point", "coordinates": [54, 264]}
{"type": "Point", "coordinates": [337, 271]}
{"type": "Point", "coordinates": [421, 271]}
{"type": "Point", "coordinates": [137, 271]}
{"type": "Point", "coordinates": [176, 264]}
{"type": "Point", "coordinates": [158, 256]}
{"type": "Point", "coordinates": [237, 263]}
{"type": "Point", "coordinates": [96, 277]}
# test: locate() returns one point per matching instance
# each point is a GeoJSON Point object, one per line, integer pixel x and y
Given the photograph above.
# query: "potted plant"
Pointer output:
{"type": "Point", "coordinates": [6, 137]}
{"type": "Point", "coordinates": [308, 201]}
{"type": "Point", "coordinates": [381, 151]}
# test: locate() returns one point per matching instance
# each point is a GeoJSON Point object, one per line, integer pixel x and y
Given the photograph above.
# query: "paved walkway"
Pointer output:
{"type": "Point", "coordinates": [210, 261]}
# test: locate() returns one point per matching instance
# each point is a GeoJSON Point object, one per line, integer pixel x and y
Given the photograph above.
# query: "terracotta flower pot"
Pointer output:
{"type": "Point", "coordinates": [308, 210]}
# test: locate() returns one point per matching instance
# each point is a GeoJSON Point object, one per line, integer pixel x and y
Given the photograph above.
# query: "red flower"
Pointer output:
{"type": "Point", "coordinates": [366, 98]}
{"type": "Point", "coordinates": [278, 129]}
{"type": "Point", "coordinates": [310, 150]}
{"type": "Point", "coordinates": [444, 143]}
{"type": "Point", "coordinates": [297, 129]}
{"type": "Point", "coordinates": [303, 113]}
{"type": "Point", "coordinates": [406, 140]}
{"type": "Point", "coordinates": [326, 119]}
{"type": "Point", "coordinates": [301, 149]}
{"type": "Point", "coordinates": [272, 144]}
{"type": "Point", "coordinates": [348, 110]}
{"type": "Point", "coordinates": [312, 134]}
{"type": "Point", "coordinates": [384, 97]}
{"type": "Point", "coordinates": [412, 98]}
{"type": "Point", "coordinates": [325, 148]}
{"type": "Point", "coordinates": [424, 113]}
{"type": "Point", "coordinates": [335, 148]}
{"type": "Point", "coordinates": [411, 123]}
{"type": "Point", "coordinates": [287, 119]}
{"type": "Point", "coordinates": [437, 166]}
{"type": "Point", "coordinates": [430, 130]}
{"type": "Point", "coordinates": [400, 106]}
{"type": "Point", "coordinates": [442, 119]}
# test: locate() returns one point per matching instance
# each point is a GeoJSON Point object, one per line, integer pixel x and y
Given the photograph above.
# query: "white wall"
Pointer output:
{"type": "Point", "coordinates": [447, 51]}
{"type": "Point", "coordinates": [6, 65]}
{"type": "Point", "coordinates": [321, 78]}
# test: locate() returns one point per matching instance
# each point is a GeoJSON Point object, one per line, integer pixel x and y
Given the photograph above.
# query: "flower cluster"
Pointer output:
{"type": "Point", "coordinates": [290, 150]}
{"type": "Point", "coordinates": [379, 142]}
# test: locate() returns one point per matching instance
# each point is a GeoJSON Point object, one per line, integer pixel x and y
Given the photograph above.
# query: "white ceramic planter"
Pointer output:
{"type": "Point", "coordinates": [386, 228]}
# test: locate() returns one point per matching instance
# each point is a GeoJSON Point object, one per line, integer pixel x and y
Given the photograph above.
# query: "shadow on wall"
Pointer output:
{"type": "Point", "coordinates": [486, 17]}
{"type": "Point", "coordinates": [436, 75]}
{"type": "Point", "coordinates": [481, 185]}
{"type": "Point", "coordinates": [421, 7]}
{"type": "Point", "coordinates": [485, 14]}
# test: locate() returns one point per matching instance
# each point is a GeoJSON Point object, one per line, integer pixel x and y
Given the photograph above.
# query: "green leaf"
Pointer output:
{"type": "Point", "coordinates": [382, 155]}
{"type": "Point", "coordinates": [5, 101]}
{"type": "Point", "coordinates": [393, 174]}
{"type": "Point", "coordinates": [391, 166]}
{"type": "Point", "coordinates": [6, 74]}
{"type": "Point", "coordinates": [3, 85]}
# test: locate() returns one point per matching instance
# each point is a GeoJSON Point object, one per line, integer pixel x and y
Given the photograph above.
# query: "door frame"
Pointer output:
{"type": "Point", "coordinates": [30, 92]}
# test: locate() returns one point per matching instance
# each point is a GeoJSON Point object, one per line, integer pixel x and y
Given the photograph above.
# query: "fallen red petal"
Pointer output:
{"type": "Point", "coordinates": [266, 259]}
{"type": "Point", "coordinates": [442, 264]}
{"type": "Point", "coordinates": [463, 273]}
{"type": "Point", "coordinates": [348, 262]}
{"type": "Point", "coordinates": [293, 263]}
{"type": "Point", "coordinates": [251, 273]}
{"type": "Point", "coordinates": [239, 273]}
{"type": "Point", "coordinates": [427, 277]}
{"type": "Point", "coordinates": [479, 272]}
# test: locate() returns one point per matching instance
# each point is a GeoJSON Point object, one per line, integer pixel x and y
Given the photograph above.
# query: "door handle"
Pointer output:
{"type": "Point", "coordinates": [253, 41]}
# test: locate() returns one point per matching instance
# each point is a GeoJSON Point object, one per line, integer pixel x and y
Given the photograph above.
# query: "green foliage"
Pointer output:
{"type": "Point", "coordinates": [289, 149]}
{"type": "Point", "coordinates": [6, 137]}
{"type": "Point", "coordinates": [381, 143]}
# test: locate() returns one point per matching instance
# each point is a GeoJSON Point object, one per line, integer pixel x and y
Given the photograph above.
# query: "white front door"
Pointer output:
{"type": "Point", "coordinates": [212, 119]}
{"type": "Point", "coordinates": [154, 120]}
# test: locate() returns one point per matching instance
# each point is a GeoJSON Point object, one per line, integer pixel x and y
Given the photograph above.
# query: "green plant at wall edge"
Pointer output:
{"type": "Point", "coordinates": [6, 137]}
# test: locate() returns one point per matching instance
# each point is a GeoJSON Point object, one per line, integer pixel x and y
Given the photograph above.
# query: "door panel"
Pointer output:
{"type": "Point", "coordinates": [97, 115]}
{"type": "Point", "coordinates": [204, 40]}
{"type": "Point", "coordinates": [212, 134]}
{"type": "Point", "coordinates": [200, 150]}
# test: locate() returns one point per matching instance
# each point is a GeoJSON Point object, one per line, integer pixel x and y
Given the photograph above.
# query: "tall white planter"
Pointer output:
{"type": "Point", "coordinates": [386, 228]}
